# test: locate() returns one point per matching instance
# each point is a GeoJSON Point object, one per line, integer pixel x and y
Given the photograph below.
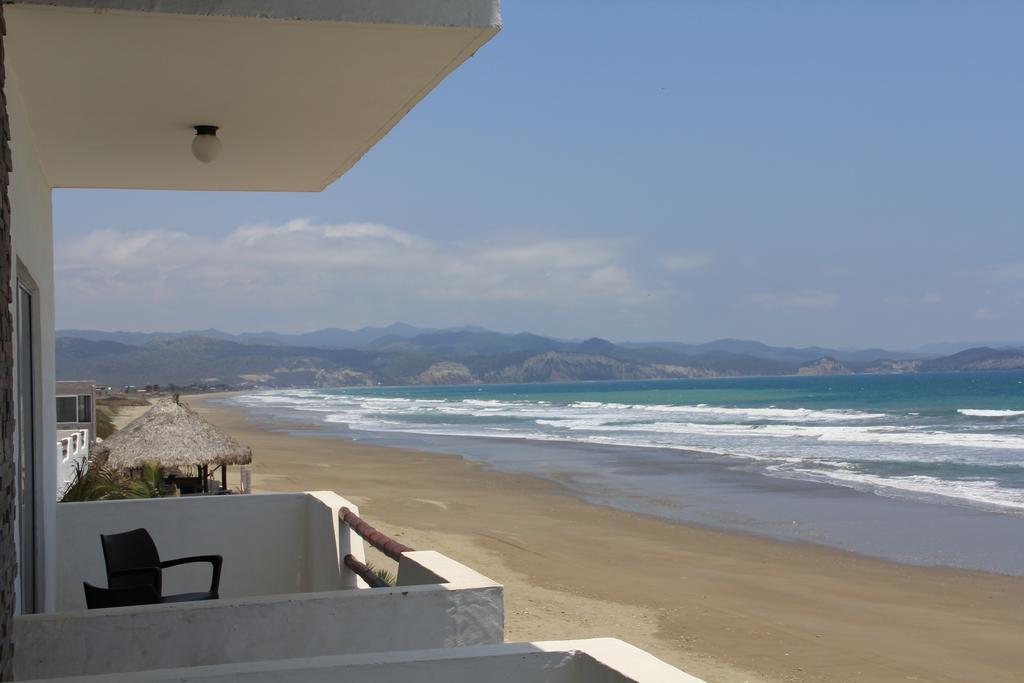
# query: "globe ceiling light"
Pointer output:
{"type": "Point", "coordinates": [206, 145]}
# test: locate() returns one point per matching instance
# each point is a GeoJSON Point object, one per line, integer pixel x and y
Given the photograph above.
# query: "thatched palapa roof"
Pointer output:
{"type": "Point", "coordinates": [174, 436]}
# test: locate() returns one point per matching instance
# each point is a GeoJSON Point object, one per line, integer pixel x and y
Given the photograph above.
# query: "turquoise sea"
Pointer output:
{"type": "Point", "coordinates": [954, 438]}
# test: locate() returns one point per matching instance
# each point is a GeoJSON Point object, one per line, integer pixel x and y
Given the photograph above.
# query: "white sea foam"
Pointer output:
{"type": "Point", "coordinates": [731, 413]}
{"type": "Point", "coordinates": [637, 420]}
{"type": "Point", "coordinates": [970, 412]}
{"type": "Point", "coordinates": [770, 413]}
{"type": "Point", "coordinates": [822, 444]}
{"type": "Point", "coordinates": [978, 491]}
{"type": "Point", "coordinates": [825, 433]}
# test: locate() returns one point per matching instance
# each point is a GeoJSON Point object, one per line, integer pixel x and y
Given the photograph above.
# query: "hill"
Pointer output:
{"type": "Point", "coordinates": [982, 358]}
{"type": "Point", "coordinates": [331, 337]}
{"type": "Point", "coordinates": [472, 338]}
{"type": "Point", "coordinates": [463, 356]}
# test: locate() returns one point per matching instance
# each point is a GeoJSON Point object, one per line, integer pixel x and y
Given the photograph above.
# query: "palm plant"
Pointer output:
{"type": "Point", "coordinates": [152, 480]}
{"type": "Point", "coordinates": [382, 574]}
{"type": "Point", "coordinates": [100, 482]}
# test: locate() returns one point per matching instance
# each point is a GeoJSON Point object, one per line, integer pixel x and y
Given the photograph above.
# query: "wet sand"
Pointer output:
{"type": "Point", "coordinates": [722, 605]}
{"type": "Point", "coordinates": [706, 489]}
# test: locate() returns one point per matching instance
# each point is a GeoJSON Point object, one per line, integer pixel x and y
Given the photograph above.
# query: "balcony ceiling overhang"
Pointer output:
{"type": "Point", "coordinates": [300, 89]}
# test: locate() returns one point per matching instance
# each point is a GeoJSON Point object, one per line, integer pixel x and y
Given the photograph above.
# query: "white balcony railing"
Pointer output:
{"type": "Point", "coordinates": [73, 448]}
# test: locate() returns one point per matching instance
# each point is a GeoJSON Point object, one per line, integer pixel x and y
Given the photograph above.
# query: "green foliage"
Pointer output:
{"type": "Point", "coordinates": [152, 479]}
{"type": "Point", "coordinates": [382, 574]}
{"type": "Point", "coordinates": [104, 422]}
{"type": "Point", "coordinates": [100, 482]}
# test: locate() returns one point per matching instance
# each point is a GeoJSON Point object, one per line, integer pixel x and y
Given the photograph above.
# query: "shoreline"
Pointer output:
{"type": "Point", "coordinates": [705, 488]}
{"type": "Point", "coordinates": [734, 497]}
{"type": "Point", "coordinates": [722, 604]}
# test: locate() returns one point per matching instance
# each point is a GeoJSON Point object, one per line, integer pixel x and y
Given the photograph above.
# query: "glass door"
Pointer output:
{"type": "Point", "coordinates": [26, 477]}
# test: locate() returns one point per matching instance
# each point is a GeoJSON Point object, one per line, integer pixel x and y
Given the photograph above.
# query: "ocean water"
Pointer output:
{"type": "Point", "coordinates": [948, 439]}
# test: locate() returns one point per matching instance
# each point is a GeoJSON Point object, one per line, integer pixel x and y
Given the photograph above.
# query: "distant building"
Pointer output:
{"type": "Point", "coordinates": [76, 406]}
{"type": "Point", "coordinates": [76, 429]}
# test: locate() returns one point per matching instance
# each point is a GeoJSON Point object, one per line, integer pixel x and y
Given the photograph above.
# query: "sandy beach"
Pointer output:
{"type": "Point", "coordinates": [722, 605]}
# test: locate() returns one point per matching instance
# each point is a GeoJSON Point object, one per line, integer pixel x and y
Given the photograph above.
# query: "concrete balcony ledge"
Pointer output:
{"type": "Point", "coordinates": [285, 591]}
{"type": "Point", "coordinates": [600, 660]}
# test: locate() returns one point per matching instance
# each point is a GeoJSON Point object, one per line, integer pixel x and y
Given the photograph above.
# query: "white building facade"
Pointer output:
{"type": "Point", "coordinates": [108, 94]}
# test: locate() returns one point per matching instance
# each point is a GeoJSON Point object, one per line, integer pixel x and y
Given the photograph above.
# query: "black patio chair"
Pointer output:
{"type": "Point", "coordinates": [99, 598]}
{"type": "Point", "coordinates": [132, 561]}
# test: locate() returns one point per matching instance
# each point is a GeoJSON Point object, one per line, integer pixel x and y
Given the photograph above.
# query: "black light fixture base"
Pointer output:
{"type": "Point", "coordinates": [206, 130]}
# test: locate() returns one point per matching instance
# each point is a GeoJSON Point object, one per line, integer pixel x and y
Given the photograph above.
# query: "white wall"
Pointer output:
{"type": "Point", "coordinates": [271, 543]}
{"type": "Point", "coordinates": [32, 250]}
{"type": "Point", "coordinates": [467, 611]}
{"type": "Point", "coordinates": [72, 456]}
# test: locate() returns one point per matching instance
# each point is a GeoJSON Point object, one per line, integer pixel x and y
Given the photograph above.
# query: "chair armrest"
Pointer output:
{"type": "Point", "coordinates": [153, 573]}
{"type": "Point", "coordinates": [215, 560]}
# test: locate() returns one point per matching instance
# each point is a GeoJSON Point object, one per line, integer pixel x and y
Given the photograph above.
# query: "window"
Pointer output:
{"type": "Point", "coordinates": [27, 495]}
{"type": "Point", "coordinates": [74, 409]}
{"type": "Point", "coordinates": [67, 409]}
{"type": "Point", "coordinates": [85, 408]}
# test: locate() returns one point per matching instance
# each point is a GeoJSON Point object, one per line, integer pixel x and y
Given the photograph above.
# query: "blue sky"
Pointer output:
{"type": "Point", "coordinates": [843, 173]}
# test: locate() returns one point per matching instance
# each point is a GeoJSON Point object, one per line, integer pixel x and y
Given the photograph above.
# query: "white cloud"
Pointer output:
{"type": "Point", "coordinates": [809, 300]}
{"type": "Point", "coordinates": [266, 271]}
{"type": "Point", "coordinates": [985, 314]}
{"type": "Point", "coordinates": [681, 262]}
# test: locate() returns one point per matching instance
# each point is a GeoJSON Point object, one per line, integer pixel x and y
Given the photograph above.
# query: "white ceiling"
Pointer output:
{"type": "Point", "coordinates": [112, 95]}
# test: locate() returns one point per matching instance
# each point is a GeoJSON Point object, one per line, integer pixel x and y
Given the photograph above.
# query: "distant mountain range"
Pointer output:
{"type": "Point", "coordinates": [328, 338]}
{"type": "Point", "coordinates": [403, 354]}
{"type": "Point", "coordinates": [946, 348]}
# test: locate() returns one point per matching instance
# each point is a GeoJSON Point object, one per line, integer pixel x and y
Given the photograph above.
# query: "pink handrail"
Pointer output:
{"type": "Point", "coordinates": [365, 573]}
{"type": "Point", "coordinates": [386, 545]}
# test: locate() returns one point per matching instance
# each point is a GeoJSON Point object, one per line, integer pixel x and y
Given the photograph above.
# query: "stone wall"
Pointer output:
{"type": "Point", "coordinates": [8, 561]}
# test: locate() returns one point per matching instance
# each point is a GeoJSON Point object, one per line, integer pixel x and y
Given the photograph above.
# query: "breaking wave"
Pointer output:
{"type": "Point", "coordinates": [957, 448]}
{"type": "Point", "coordinates": [970, 412]}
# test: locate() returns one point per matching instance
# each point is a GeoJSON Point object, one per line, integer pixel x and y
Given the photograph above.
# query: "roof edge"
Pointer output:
{"type": "Point", "coordinates": [442, 13]}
